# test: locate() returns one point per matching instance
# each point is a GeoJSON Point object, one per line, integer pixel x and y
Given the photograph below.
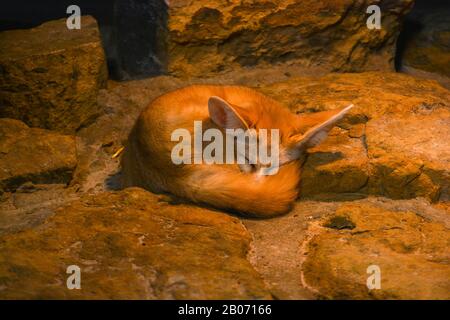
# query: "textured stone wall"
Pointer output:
{"type": "Point", "coordinates": [217, 35]}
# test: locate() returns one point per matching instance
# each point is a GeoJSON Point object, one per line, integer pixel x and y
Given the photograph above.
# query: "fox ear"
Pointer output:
{"type": "Point", "coordinates": [318, 133]}
{"type": "Point", "coordinates": [224, 115]}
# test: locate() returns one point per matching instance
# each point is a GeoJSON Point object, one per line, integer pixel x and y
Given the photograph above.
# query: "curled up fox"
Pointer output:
{"type": "Point", "coordinates": [151, 159]}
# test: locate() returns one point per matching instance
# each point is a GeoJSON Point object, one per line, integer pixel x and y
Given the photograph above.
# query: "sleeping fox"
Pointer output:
{"type": "Point", "coordinates": [147, 161]}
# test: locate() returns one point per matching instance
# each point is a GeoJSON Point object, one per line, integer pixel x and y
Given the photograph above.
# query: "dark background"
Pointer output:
{"type": "Point", "coordinates": [132, 31]}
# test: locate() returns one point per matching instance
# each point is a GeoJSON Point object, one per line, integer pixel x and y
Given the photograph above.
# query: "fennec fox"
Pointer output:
{"type": "Point", "coordinates": [147, 160]}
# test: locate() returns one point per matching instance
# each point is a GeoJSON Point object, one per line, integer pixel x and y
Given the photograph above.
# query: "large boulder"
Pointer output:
{"type": "Point", "coordinates": [211, 36]}
{"type": "Point", "coordinates": [130, 245]}
{"type": "Point", "coordinates": [34, 155]}
{"type": "Point", "coordinates": [393, 143]}
{"type": "Point", "coordinates": [50, 75]}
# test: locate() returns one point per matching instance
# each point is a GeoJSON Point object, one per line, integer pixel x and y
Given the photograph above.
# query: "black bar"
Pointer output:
{"type": "Point", "coordinates": [277, 309]}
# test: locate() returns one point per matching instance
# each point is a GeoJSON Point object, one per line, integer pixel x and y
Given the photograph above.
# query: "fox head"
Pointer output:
{"type": "Point", "coordinates": [297, 133]}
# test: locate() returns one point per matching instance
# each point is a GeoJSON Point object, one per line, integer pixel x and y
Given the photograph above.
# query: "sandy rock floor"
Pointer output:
{"type": "Point", "coordinates": [369, 198]}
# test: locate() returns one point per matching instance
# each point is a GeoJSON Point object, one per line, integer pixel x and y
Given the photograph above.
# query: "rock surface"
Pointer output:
{"type": "Point", "coordinates": [340, 164]}
{"type": "Point", "coordinates": [50, 75]}
{"type": "Point", "coordinates": [410, 155]}
{"type": "Point", "coordinates": [130, 245]}
{"type": "Point", "coordinates": [300, 258]}
{"type": "Point", "coordinates": [392, 144]}
{"type": "Point", "coordinates": [31, 204]}
{"type": "Point", "coordinates": [233, 34]}
{"type": "Point", "coordinates": [34, 155]}
{"type": "Point", "coordinates": [410, 249]}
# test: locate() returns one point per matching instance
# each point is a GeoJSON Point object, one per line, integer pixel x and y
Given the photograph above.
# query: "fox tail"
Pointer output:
{"type": "Point", "coordinates": [249, 194]}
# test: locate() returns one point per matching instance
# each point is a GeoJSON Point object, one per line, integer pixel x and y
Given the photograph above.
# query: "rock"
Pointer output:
{"type": "Point", "coordinates": [407, 243]}
{"type": "Point", "coordinates": [277, 248]}
{"type": "Point", "coordinates": [374, 94]}
{"type": "Point", "coordinates": [409, 155]}
{"type": "Point", "coordinates": [323, 249]}
{"type": "Point", "coordinates": [131, 245]}
{"type": "Point", "coordinates": [229, 35]}
{"type": "Point", "coordinates": [337, 166]}
{"type": "Point", "coordinates": [50, 75]}
{"type": "Point", "coordinates": [393, 143]}
{"type": "Point", "coordinates": [34, 155]}
{"type": "Point", "coordinates": [31, 204]}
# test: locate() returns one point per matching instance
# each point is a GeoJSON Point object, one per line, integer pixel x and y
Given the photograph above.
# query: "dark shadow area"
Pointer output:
{"type": "Point", "coordinates": [114, 181]}
{"type": "Point", "coordinates": [133, 31]}
{"type": "Point", "coordinates": [22, 14]}
{"type": "Point", "coordinates": [335, 197]}
{"type": "Point", "coordinates": [419, 23]}
{"type": "Point", "coordinates": [323, 158]}
{"type": "Point", "coordinates": [410, 29]}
